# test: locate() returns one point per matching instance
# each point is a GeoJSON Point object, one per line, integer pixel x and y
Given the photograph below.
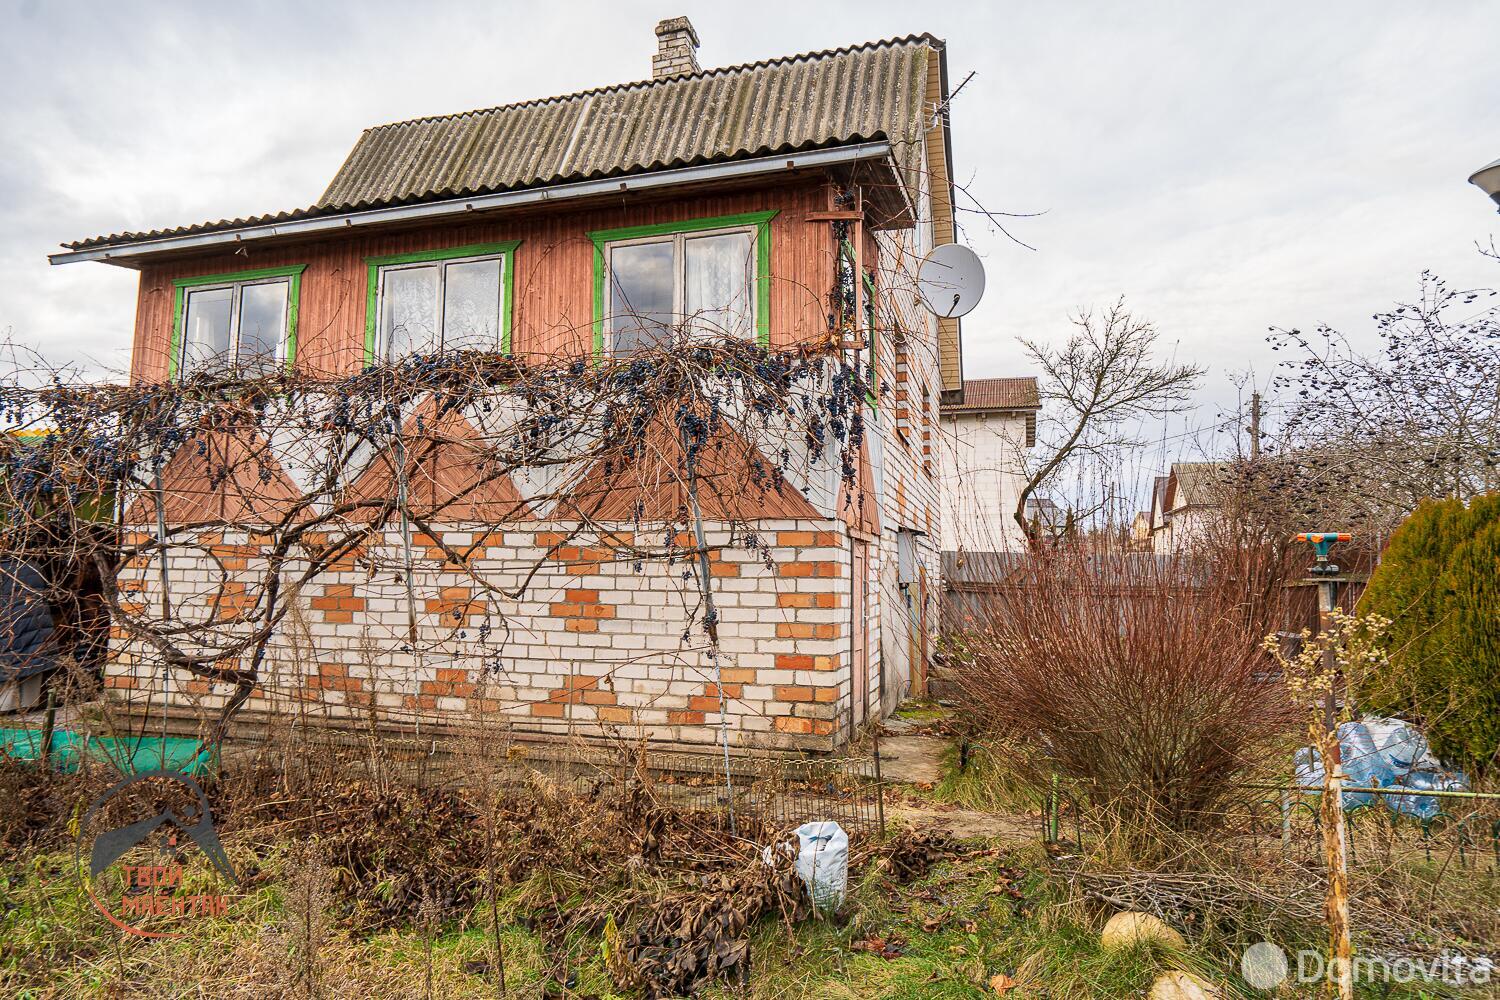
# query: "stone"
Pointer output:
{"type": "Point", "coordinates": [1183, 986]}
{"type": "Point", "coordinates": [1130, 929]}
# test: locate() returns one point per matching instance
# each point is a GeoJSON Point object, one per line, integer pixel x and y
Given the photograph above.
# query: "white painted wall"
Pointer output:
{"type": "Point", "coordinates": [982, 473]}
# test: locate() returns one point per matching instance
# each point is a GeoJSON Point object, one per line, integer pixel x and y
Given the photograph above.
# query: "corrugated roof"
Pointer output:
{"type": "Point", "coordinates": [985, 394]}
{"type": "Point", "coordinates": [836, 96]}
{"type": "Point", "coordinates": [867, 92]}
{"type": "Point", "coordinates": [1193, 484]}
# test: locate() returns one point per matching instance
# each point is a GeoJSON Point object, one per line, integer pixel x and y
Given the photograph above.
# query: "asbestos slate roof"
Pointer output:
{"type": "Point", "coordinates": [861, 93]}
{"type": "Point", "coordinates": [1193, 484]}
{"type": "Point", "coordinates": [983, 395]}
{"type": "Point", "coordinates": [834, 97]}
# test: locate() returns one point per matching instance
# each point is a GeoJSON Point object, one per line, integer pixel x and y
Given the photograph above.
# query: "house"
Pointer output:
{"type": "Point", "coordinates": [567, 227]}
{"type": "Point", "coordinates": [986, 434]}
{"type": "Point", "coordinates": [1185, 505]}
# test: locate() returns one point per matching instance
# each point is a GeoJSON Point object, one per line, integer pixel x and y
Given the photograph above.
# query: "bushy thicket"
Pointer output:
{"type": "Point", "coordinates": [1439, 583]}
{"type": "Point", "coordinates": [1138, 679]}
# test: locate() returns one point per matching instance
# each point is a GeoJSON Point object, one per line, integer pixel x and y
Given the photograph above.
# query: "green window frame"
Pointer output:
{"type": "Point", "coordinates": [505, 250]}
{"type": "Point", "coordinates": [846, 256]}
{"type": "Point", "coordinates": [181, 286]}
{"type": "Point", "coordinates": [760, 221]}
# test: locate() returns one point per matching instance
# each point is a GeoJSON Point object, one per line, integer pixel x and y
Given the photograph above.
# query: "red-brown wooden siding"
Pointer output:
{"type": "Point", "coordinates": [553, 307]}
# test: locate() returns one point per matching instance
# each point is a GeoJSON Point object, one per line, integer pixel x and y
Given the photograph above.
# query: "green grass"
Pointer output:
{"type": "Point", "coordinates": [987, 782]}
{"type": "Point", "coordinates": [960, 925]}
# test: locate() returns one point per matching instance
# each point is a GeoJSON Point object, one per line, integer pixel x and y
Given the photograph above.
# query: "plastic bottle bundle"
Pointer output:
{"type": "Point", "coordinates": [1384, 753]}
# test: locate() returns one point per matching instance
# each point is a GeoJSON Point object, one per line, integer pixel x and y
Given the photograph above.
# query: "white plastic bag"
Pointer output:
{"type": "Point", "coordinates": [823, 863]}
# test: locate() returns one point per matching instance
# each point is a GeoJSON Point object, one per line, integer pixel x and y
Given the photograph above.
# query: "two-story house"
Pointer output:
{"type": "Point", "coordinates": [574, 226]}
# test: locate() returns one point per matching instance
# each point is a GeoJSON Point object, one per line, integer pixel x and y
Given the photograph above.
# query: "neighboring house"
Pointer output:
{"type": "Point", "coordinates": [1185, 505]}
{"type": "Point", "coordinates": [986, 433]}
{"type": "Point", "coordinates": [521, 216]}
{"type": "Point", "coordinates": [1138, 537]}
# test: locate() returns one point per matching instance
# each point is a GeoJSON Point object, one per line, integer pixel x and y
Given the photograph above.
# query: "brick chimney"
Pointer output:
{"type": "Point", "coordinates": [677, 49]}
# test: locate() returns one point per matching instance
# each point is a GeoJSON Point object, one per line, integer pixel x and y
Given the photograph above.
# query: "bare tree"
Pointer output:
{"type": "Point", "coordinates": [1367, 434]}
{"type": "Point", "coordinates": [1104, 378]}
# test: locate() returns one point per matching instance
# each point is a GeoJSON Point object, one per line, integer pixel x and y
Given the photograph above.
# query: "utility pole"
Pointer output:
{"type": "Point", "coordinates": [1254, 426]}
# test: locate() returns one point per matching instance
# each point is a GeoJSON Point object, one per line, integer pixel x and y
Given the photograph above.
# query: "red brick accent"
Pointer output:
{"type": "Point", "coordinates": [823, 569]}
{"type": "Point", "coordinates": [787, 724]}
{"type": "Point", "coordinates": [578, 689]}
{"type": "Point", "coordinates": [730, 690]}
{"type": "Point", "coordinates": [807, 600]}
{"type": "Point", "coordinates": [685, 718]}
{"type": "Point", "coordinates": [793, 692]}
{"type": "Point", "coordinates": [338, 603]}
{"type": "Point", "coordinates": [546, 710]}
{"type": "Point", "coordinates": [793, 661]}
{"type": "Point", "coordinates": [616, 716]}
{"type": "Point", "coordinates": [737, 676]}
{"type": "Point", "coordinates": [457, 603]}
{"type": "Point", "coordinates": [806, 630]}
{"type": "Point", "coordinates": [450, 681]}
{"type": "Point", "coordinates": [581, 625]}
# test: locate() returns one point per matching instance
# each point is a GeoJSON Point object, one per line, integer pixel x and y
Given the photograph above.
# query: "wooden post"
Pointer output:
{"type": "Point", "coordinates": [1254, 426]}
{"type": "Point", "coordinates": [1335, 836]}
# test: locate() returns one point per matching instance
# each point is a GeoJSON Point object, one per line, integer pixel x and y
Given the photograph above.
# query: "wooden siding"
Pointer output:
{"type": "Point", "coordinates": [553, 307]}
{"type": "Point", "coordinates": [940, 194]}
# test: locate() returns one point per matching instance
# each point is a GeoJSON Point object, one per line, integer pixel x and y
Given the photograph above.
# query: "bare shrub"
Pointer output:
{"type": "Point", "coordinates": [1138, 679]}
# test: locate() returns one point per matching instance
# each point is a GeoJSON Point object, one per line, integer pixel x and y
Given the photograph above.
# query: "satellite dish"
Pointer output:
{"type": "Point", "coordinates": [951, 280]}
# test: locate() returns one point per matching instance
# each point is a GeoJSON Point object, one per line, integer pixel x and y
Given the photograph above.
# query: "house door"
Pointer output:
{"type": "Point", "coordinates": [859, 646]}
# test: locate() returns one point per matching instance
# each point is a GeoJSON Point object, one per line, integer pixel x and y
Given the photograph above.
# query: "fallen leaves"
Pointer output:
{"type": "Point", "coordinates": [1002, 984]}
{"type": "Point", "coordinates": [888, 947]}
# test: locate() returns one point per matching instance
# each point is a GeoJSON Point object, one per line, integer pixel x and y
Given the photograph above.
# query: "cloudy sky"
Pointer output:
{"type": "Point", "coordinates": [1225, 166]}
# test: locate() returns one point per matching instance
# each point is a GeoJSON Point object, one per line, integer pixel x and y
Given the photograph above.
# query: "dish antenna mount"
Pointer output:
{"type": "Point", "coordinates": [951, 280]}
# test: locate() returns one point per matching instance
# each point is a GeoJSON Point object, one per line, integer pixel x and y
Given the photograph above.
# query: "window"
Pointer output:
{"type": "Point", "coordinates": [706, 278]}
{"type": "Point", "coordinates": [660, 287]}
{"type": "Point", "coordinates": [246, 321]}
{"type": "Point", "coordinates": [439, 300]}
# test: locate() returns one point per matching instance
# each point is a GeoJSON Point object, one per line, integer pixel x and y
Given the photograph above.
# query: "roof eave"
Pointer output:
{"type": "Point", "coordinates": [130, 253]}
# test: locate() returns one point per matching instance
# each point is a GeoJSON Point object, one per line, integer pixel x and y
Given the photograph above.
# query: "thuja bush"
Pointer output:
{"type": "Point", "coordinates": [1439, 583]}
{"type": "Point", "coordinates": [1137, 679]}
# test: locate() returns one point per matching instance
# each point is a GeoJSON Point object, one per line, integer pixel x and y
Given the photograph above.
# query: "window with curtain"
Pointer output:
{"type": "Point", "coordinates": [237, 324]}
{"type": "Point", "coordinates": [669, 288]}
{"type": "Point", "coordinates": [426, 307]}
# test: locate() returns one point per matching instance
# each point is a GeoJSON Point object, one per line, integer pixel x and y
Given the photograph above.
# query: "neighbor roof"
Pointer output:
{"type": "Point", "coordinates": [873, 91]}
{"type": "Point", "coordinates": [984, 395]}
{"type": "Point", "coordinates": [1193, 484]}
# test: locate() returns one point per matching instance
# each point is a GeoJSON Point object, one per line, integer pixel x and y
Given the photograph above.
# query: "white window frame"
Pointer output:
{"type": "Point", "coordinates": [679, 275]}
{"type": "Point", "coordinates": [236, 288]}
{"type": "Point", "coordinates": [382, 346]}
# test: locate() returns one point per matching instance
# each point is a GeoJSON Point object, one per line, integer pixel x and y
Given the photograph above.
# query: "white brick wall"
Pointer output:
{"type": "Point", "coordinates": [592, 646]}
